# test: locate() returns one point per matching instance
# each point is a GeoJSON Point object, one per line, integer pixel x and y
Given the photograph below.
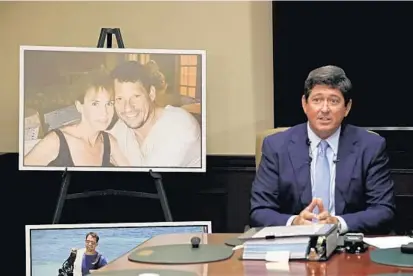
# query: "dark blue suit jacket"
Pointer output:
{"type": "Point", "coordinates": [364, 195]}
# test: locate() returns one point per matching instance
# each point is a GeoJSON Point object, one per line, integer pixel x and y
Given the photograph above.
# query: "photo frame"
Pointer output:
{"type": "Point", "coordinates": [49, 245]}
{"type": "Point", "coordinates": [112, 109]}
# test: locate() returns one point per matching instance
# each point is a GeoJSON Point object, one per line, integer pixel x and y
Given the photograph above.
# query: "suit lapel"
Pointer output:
{"type": "Point", "coordinates": [344, 169]}
{"type": "Point", "coordinates": [298, 150]}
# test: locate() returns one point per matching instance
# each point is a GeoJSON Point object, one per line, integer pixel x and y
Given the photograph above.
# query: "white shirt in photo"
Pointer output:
{"type": "Point", "coordinates": [174, 141]}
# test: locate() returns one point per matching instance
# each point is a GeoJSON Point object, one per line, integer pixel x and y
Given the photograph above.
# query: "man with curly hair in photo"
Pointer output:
{"type": "Point", "coordinates": [150, 135]}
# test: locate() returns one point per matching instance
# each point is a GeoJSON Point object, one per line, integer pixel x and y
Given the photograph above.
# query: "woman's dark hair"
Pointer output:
{"type": "Point", "coordinates": [329, 75]}
{"type": "Point", "coordinates": [95, 79]}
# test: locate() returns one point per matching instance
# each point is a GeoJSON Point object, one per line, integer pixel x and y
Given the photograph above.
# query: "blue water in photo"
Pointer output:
{"type": "Point", "coordinates": [51, 247]}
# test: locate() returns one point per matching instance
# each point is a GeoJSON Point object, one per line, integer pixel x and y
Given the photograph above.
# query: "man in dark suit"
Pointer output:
{"type": "Point", "coordinates": [324, 171]}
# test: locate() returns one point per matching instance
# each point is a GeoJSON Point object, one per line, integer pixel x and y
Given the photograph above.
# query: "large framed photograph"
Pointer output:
{"type": "Point", "coordinates": [61, 249]}
{"type": "Point", "coordinates": [111, 109]}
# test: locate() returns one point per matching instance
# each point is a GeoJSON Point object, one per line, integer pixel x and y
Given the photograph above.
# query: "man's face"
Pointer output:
{"type": "Point", "coordinates": [325, 110]}
{"type": "Point", "coordinates": [91, 243]}
{"type": "Point", "coordinates": [133, 103]}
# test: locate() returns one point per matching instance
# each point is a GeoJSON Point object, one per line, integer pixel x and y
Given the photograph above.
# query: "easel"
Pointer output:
{"type": "Point", "coordinates": [157, 178]}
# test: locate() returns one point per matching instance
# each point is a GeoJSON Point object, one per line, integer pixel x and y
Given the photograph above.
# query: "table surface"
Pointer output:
{"type": "Point", "coordinates": [338, 264]}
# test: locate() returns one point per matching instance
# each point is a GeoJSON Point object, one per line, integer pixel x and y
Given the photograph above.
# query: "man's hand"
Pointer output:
{"type": "Point", "coordinates": [306, 215]}
{"type": "Point", "coordinates": [323, 216]}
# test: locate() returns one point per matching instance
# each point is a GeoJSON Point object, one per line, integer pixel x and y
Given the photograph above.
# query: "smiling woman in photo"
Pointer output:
{"type": "Point", "coordinates": [85, 143]}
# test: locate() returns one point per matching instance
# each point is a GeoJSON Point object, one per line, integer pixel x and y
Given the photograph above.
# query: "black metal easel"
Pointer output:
{"type": "Point", "coordinates": [106, 33]}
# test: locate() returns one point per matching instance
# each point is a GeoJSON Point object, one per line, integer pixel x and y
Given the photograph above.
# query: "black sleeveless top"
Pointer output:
{"type": "Point", "coordinates": [64, 158]}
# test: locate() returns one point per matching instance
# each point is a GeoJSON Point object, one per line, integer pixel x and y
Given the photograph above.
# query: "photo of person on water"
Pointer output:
{"type": "Point", "coordinates": [80, 249]}
{"type": "Point", "coordinates": [83, 261]}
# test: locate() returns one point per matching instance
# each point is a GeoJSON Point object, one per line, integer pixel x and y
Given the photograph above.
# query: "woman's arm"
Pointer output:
{"type": "Point", "coordinates": [116, 156]}
{"type": "Point", "coordinates": [45, 151]}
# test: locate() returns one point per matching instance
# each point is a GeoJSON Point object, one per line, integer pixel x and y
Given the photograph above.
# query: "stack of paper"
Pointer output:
{"type": "Point", "coordinates": [262, 249]}
{"type": "Point", "coordinates": [288, 231]}
{"type": "Point", "coordinates": [260, 243]}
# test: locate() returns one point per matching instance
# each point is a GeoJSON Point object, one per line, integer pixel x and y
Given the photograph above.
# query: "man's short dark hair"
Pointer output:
{"type": "Point", "coordinates": [133, 71]}
{"type": "Point", "coordinates": [93, 235]}
{"type": "Point", "coordinates": [332, 76]}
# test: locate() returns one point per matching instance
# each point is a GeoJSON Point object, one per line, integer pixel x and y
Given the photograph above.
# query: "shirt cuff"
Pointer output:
{"type": "Point", "coordinates": [290, 220]}
{"type": "Point", "coordinates": [343, 225]}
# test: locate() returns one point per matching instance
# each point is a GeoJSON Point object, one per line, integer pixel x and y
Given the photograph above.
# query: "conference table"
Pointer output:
{"type": "Point", "coordinates": [338, 264]}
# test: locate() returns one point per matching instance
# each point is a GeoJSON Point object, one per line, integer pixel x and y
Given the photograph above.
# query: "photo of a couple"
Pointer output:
{"type": "Point", "coordinates": [110, 109]}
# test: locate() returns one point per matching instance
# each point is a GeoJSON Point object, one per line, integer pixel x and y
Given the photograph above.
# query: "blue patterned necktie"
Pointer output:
{"type": "Point", "coordinates": [322, 176]}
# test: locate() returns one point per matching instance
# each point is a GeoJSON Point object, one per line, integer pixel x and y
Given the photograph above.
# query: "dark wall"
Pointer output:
{"type": "Point", "coordinates": [31, 197]}
{"type": "Point", "coordinates": [369, 40]}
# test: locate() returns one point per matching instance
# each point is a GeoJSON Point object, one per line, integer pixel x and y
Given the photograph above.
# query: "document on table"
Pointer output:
{"type": "Point", "coordinates": [275, 232]}
{"type": "Point", "coordinates": [388, 242]}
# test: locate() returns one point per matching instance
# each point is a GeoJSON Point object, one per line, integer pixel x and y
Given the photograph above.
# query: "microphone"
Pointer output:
{"type": "Point", "coordinates": [195, 241]}
{"type": "Point", "coordinates": [336, 161]}
{"type": "Point", "coordinates": [308, 142]}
